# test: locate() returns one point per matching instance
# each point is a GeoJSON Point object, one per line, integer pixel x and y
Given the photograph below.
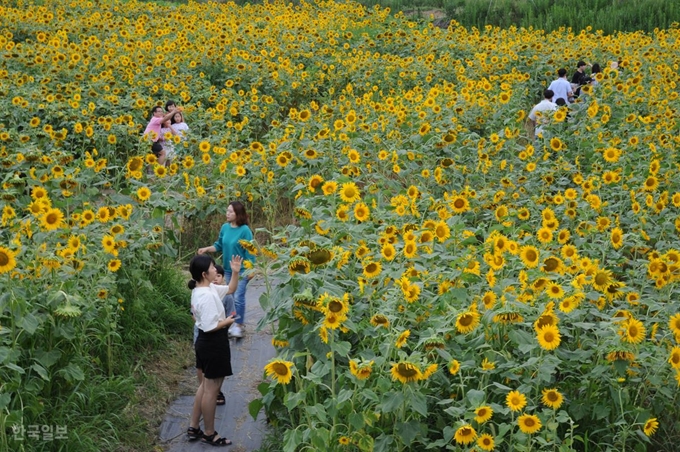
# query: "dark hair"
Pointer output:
{"type": "Point", "coordinates": [580, 63]}
{"type": "Point", "coordinates": [596, 68]}
{"type": "Point", "coordinates": [153, 110]}
{"type": "Point", "coordinates": [561, 102]}
{"type": "Point", "coordinates": [156, 148]}
{"type": "Point", "coordinates": [562, 72]}
{"type": "Point", "coordinates": [172, 120]}
{"type": "Point", "coordinates": [240, 211]}
{"type": "Point", "coordinates": [168, 103]}
{"type": "Point", "coordinates": [548, 94]}
{"type": "Point", "coordinates": [199, 264]}
{"type": "Point", "coordinates": [220, 269]}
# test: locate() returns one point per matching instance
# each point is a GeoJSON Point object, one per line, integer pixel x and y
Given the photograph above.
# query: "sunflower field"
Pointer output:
{"type": "Point", "coordinates": [441, 280]}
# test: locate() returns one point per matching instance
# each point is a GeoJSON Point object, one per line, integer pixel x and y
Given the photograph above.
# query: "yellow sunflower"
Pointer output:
{"type": "Point", "coordinates": [529, 255]}
{"type": "Point", "coordinates": [616, 238]}
{"type": "Point", "coordinates": [349, 192]}
{"type": "Point", "coordinates": [143, 193]}
{"type": "Point", "coordinates": [632, 331]}
{"type": "Point", "coordinates": [650, 426]}
{"type": "Point", "coordinates": [280, 370]}
{"type": "Point", "coordinates": [486, 442]}
{"type": "Point", "coordinates": [406, 372]}
{"type": "Point", "coordinates": [52, 219]}
{"type": "Point", "coordinates": [467, 321]}
{"type": "Point", "coordinates": [7, 260]}
{"type": "Point", "coordinates": [674, 324]}
{"type": "Point", "coordinates": [552, 398]}
{"type": "Point", "coordinates": [459, 204]}
{"type": "Point", "coordinates": [602, 279]}
{"type": "Point", "coordinates": [528, 423]}
{"type": "Point", "coordinates": [380, 320]}
{"type": "Point", "coordinates": [454, 367]}
{"type": "Point", "coordinates": [329, 187]}
{"type": "Point", "coordinates": [442, 231]}
{"type": "Point", "coordinates": [465, 434]}
{"type": "Point", "coordinates": [548, 337]}
{"type": "Point", "coordinates": [516, 400]}
{"type": "Point", "coordinates": [361, 212]}
{"type": "Point", "coordinates": [483, 414]}
{"type": "Point", "coordinates": [372, 269]}
{"type": "Point", "coordinates": [114, 265]}
{"type": "Point", "coordinates": [401, 340]}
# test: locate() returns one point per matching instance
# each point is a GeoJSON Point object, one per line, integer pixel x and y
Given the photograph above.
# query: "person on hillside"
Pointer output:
{"type": "Point", "coordinates": [561, 87]}
{"type": "Point", "coordinates": [153, 129]}
{"type": "Point", "coordinates": [235, 229]}
{"type": "Point", "coordinates": [213, 355]}
{"type": "Point", "coordinates": [539, 115]}
{"type": "Point", "coordinates": [579, 78]}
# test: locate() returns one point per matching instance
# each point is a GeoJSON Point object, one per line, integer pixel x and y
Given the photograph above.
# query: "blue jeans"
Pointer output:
{"type": "Point", "coordinates": [239, 297]}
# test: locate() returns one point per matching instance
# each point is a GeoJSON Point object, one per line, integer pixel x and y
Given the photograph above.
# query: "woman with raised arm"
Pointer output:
{"type": "Point", "coordinates": [213, 355]}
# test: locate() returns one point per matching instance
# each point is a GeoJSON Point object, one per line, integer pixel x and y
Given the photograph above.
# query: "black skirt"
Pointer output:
{"type": "Point", "coordinates": [213, 355]}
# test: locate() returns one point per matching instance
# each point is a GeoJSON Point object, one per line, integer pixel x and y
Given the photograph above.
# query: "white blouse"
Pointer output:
{"type": "Point", "coordinates": [206, 304]}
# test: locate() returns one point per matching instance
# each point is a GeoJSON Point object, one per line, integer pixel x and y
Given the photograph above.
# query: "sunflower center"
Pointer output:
{"type": "Point", "coordinates": [531, 255]}
{"type": "Point", "coordinates": [4, 259]}
{"type": "Point", "coordinates": [601, 279]}
{"type": "Point", "coordinates": [552, 396]}
{"type": "Point", "coordinates": [52, 218]}
{"type": "Point", "coordinates": [406, 370]}
{"type": "Point", "coordinates": [459, 203]}
{"type": "Point", "coordinates": [633, 330]}
{"type": "Point", "coordinates": [529, 422]}
{"type": "Point", "coordinates": [549, 336]}
{"type": "Point", "coordinates": [280, 369]}
{"type": "Point", "coordinates": [465, 320]}
{"type": "Point", "coordinates": [335, 306]}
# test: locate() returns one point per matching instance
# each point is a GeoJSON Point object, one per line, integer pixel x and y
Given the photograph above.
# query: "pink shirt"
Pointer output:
{"type": "Point", "coordinates": [155, 127]}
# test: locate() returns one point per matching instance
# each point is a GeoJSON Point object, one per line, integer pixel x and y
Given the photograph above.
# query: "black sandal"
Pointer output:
{"type": "Point", "coordinates": [194, 433]}
{"type": "Point", "coordinates": [220, 399]}
{"type": "Point", "coordinates": [219, 442]}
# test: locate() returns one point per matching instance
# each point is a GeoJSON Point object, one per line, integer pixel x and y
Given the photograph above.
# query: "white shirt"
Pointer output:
{"type": "Point", "coordinates": [561, 87]}
{"type": "Point", "coordinates": [542, 117]}
{"type": "Point", "coordinates": [206, 304]}
{"type": "Point", "coordinates": [181, 128]}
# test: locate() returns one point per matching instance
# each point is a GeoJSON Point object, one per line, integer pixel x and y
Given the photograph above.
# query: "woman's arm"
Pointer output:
{"type": "Point", "coordinates": [226, 323]}
{"type": "Point", "coordinates": [207, 249]}
{"type": "Point", "coordinates": [235, 265]}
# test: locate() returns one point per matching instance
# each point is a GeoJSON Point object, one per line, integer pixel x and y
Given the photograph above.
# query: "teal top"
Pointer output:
{"type": "Point", "coordinates": [228, 244]}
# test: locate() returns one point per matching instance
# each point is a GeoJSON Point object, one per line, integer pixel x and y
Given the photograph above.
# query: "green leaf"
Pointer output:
{"type": "Point", "coordinates": [342, 348]}
{"type": "Point", "coordinates": [293, 399]}
{"type": "Point", "coordinates": [71, 373]}
{"type": "Point", "coordinates": [408, 431]}
{"type": "Point", "coordinates": [601, 411]}
{"type": "Point", "coordinates": [356, 420]}
{"type": "Point", "coordinates": [254, 408]}
{"type": "Point", "coordinates": [419, 403]}
{"type": "Point", "coordinates": [320, 437]}
{"type": "Point", "coordinates": [292, 439]}
{"type": "Point", "coordinates": [475, 397]}
{"type": "Point", "coordinates": [47, 358]}
{"type": "Point", "coordinates": [4, 400]}
{"type": "Point", "coordinates": [29, 323]}
{"type": "Point", "coordinates": [344, 395]}
{"type": "Point", "coordinates": [392, 402]}
{"type": "Point", "coordinates": [263, 388]}
{"type": "Point", "coordinates": [40, 370]}
{"type": "Point", "coordinates": [383, 443]}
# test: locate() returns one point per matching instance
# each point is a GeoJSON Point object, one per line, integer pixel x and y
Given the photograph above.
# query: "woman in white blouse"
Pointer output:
{"type": "Point", "coordinates": [213, 355]}
{"type": "Point", "coordinates": [178, 125]}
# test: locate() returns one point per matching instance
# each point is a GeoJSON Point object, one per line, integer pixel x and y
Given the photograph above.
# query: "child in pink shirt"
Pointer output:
{"type": "Point", "coordinates": [153, 129]}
